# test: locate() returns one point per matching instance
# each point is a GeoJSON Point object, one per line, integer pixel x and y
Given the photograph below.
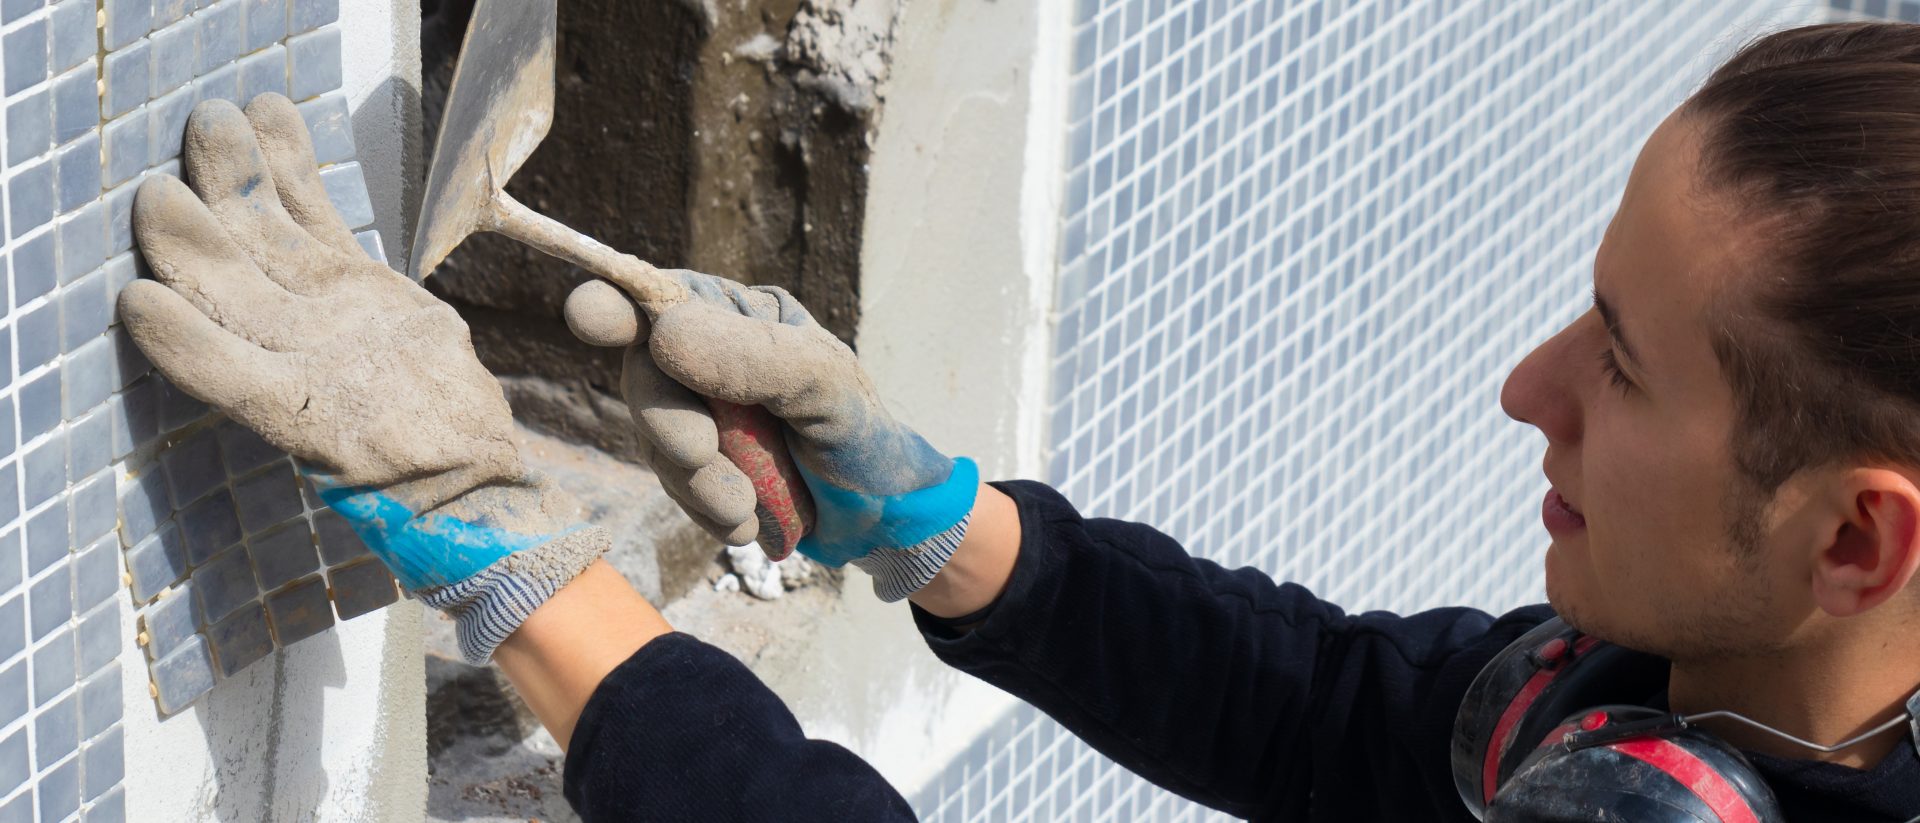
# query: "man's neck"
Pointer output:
{"type": "Point", "coordinates": [1824, 699]}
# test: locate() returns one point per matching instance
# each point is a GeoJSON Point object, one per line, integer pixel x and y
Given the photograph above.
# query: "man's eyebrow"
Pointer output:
{"type": "Point", "coordinates": [1612, 320]}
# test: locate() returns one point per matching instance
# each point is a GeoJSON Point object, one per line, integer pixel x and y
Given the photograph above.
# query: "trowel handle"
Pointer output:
{"type": "Point", "coordinates": [753, 439]}
{"type": "Point", "coordinates": [648, 286]}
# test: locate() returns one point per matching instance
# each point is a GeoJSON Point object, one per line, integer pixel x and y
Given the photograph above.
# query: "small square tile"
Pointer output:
{"type": "Point", "coordinates": [156, 563]}
{"type": "Point", "coordinates": [168, 622]}
{"type": "Point", "coordinates": [92, 504]}
{"type": "Point", "coordinates": [10, 557]}
{"type": "Point", "coordinates": [44, 468]}
{"type": "Point", "coordinates": [126, 141]}
{"type": "Point", "coordinates": [331, 127]}
{"type": "Point", "coordinates": [135, 415]}
{"type": "Point", "coordinates": [177, 408]}
{"type": "Point", "coordinates": [20, 810]}
{"type": "Point", "coordinates": [111, 808]}
{"type": "Point", "coordinates": [86, 310]}
{"type": "Point", "coordinates": [210, 526]}
{"type": "Point", "coordinates": [263, 72]}
{"type": "Point", "coordinates": [193, 468]}
{"type": "Point", "coordinates": [90, 446]}
{"type": "Point", "coordinates": [56, 732]}
{"type": "Point", "coordinates": [76, 105]}
{"type": "Point", "coordinates": [29, 127]}
{"type": "Point", "coordinates": [347, 188]}
{"type": "Point", "coordinates": [370, 240]}
{"type": "Point", "coordinates": [127, 21]}
{"type": "Point", "coordinates": [47, 538]}
{"type": "Point", "coordinates": [96, 573]}
{"type": "Point", "coordinates": [361, 588]}
{"type": "Point", "coordinates": [240, 639]}
{"type": "Point", "coordinates": [59, 792]}
{"type": "Point", "coordinates": [39, 403]}
{"type": "Point", "coordinates": [13, 627]}
{"type": "Point", "coordinates": [299, 611]}
{"type": "Point", "coordinates": [39, 336]}
{"type": "Point", "coordinates": [168, 12]}
{"type": "Point", "coordinates": [266, 22]}
{"type": "Point", "coordinates": [77, 183]}
{"type": "Point", "coordinates": [167, 124]}
{"type": "Point", "coordinates": [90, 376]}
{"type": "Point", "coordinates": [13, 693]}
{"type": "Point", "coordinates": [222, 34]}
{"type": "Point", "coordinates": [338, 541]}
{"type": "Point", "coordinates": [307, 15]}
{"type": "Point", "coordinates": [175, 54]}
{"type": "Point", "coordinates": [74, 38]}
{"type": "Point", "coordinates": [104, 764]}
{"type": "Point", "coordinates": [314, 63]}
{"type": "Point", "coordinates": [183, 676]}
{"type": "Point", "coordinates": [100, 703]}
{"type": "Point", "coordinates": [245, 451]}
{"type": "Point", "coordinates": [11, 10]}
{"type": "Point", "coordinates": [224, 584]}
{"type": "Point", "coordinates": [283, 556]}
{"type": "Point", "coordinates": [50, 601]}
{"type": "Point", "coordinates": [144, 505]}
{"type": "Point", "coordinates": [15, 768]}
{"type": "Point", "coordinates": [220, 84]}
{"type": "Point", "coordinates": [30, 196]}
{"type": "Point", "coordinates": [34, 269]}
{"type": "Point", "coordinates": [98, 639]}
{"type": "Point", "coordinates": [267, 499]}
{"type": "Point", "coordinates": [81, 250]}
{"type": "Point", "coordinates": [119, 206]}
{"type": "Point", "coordinates": [127, 74]}
{"type": "Point", "coordinates": [53, 669]}
{"type": "Point", "coordinates": [9, 491]}
{"type": "Point", "coordinates": [24, 58]}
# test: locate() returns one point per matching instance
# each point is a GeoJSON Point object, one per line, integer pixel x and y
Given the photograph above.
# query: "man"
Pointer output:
{"type": "Point", "coordinates": [1730, 441]}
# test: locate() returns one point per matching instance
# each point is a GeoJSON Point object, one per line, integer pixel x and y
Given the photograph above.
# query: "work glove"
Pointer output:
{"type": "Point", "coordinates": [264, 307]}
{"type": "Point", "coordinates": [884, 499]}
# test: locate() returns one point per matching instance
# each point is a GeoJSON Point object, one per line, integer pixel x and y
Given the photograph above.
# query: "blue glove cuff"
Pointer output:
{"type": "Point", "coordinates": [852, 524]}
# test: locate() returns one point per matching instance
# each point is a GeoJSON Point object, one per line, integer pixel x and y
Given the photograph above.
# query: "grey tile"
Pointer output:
{"type": "Point", "coordinates": [96, 572]}
{"type": "Point", "coordinates": [74, 37]}
{"type": "Point", "coordinates": [15, 768]}
{"type": "Point", "coordinates": [9, 491]}
{"type": "Point", "coordinates": [338, 542]}
{"type": "Point", "coordinates": [240, 639]}
{"type": "Point", "coordinates": [89, 446]}
{"type": "Point", "coordinates": [10, 562]}
{"type": "Point", "coordinates": [122, 269]}
{"type": "Point", "coordinates": [177, 408]}
{"type": "Point", "coordinates": [222, 34]}
{"type": "Point", "coordinates": [175, 54]}
{"type": "Point", "coordinates": [210, 526]}
{"type": "Point", "coordinates": [361, 588]}
{"type": "Point", "coordinates": [144, 505]}
{"type": "Point", "coordinates": [109, 809]}
{"type": "Point", "coordinates": [24, 57]}
{"type": "Point", "coordinates": [31, 200]}
{"type": "Point", "coordinates": [313, 66]}
{"type": "Point", "coordinates": [307, 15]}
{"type": "Point", "coordinates": [82, 236]}
{"type": "Point", "coordinates": [193, 468]}
{"type": "Point", "coordinates": [245, 451]}
{"type": "Point", "coordinates": [169, 622]}
{"type": "Point", "coordinates": [6, 431]}
{"type": "Point", "coordinates": [92, 503]}
{"type": "Point", "coordinates": [126, 74]}
{"type": "Point", "coordinates": [46, 537]}
{"type": "Point", "coordinates": [11, 10]}
{"type": "Point", "coordinates": [34, 267]}
{"type": "Point", "coordinates": [264, 71]}
{"type": "Point", "coordinates": [136, 416]}
{"type": "Point", "coordinates": [267, 499]}
{"type": "Point", "coordinates": [20, 810]}
{"type": "Point", "coordinates": [13, 627]}
{"type": "Point", "coordinates": [119, 206]}
{"type": "Point", "coordinates": [370, 240]}
{"type": "Point", "coordinates": [183, 676]}
{"type": "Point", "coordinates": [167, 124]}
{"type": "Point", "coordinates": [44, 469]}
{"type": "Point", "coordinates": [39, 331]}
{"type": "Point", "coordinates": [40, 404]}
{"type": "Point", "coordinates": [224, 584]}
{"type": "Point", "coordinates": [126, 147]}
{"type": "Point", "coordinates": [50, 602]}
{"type": "Point", "coordinates": [220, 84]}
{"type": "Point", "coordinates": [156, 562]}
{"type": "Point", "coordinates": [53, 669]}
{"type": "Point", "coordinates": [100, 703]}
{"type": "Point", "coordinates": [75, 99]}
{"type": "Point", "coordinates": [127, 21]}
{"type": "Point", "coordinates": [29, 127]}
{"type": "Point", "coordinates": [59, 792]}
{"type": "Point", "coordinates": [168, 12]}
{"type": "Point", "coordinates": [91, 376]}
{"type": "Point", "coordinates": [98, 639]}
{"type": "Point", "coordinates": [13, 693]}
{"type": "Point", "coordinates": [283, 556]}
{"type": "Point", "coordinates": [331, 127]}
{"type": "Point", "coordinates": [77, 183]}
{"type": "Point", "coordinates": [347, 188]}
{"type": "Point", "coordinates": [104, 765]}
{"type": "Point", "coordinates": [56, 732]}
{"type": "Point", "coordinates": [266, 22]}
{"type": "Point", "coordinates": [299, 611]}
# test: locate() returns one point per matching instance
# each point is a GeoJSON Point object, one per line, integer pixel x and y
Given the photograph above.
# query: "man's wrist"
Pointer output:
{"type": "Point", "coordinates": [982, 565]}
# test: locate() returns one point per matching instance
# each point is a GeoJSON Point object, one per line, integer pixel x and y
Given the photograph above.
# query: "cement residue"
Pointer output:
{"type": "Point", "coordinates": [843, 48]}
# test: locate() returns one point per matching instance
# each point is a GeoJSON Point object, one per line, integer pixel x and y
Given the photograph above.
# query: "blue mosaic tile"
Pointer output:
{"type": "Point", "coordinates": [29, 127]}
{"type": "Point", "coordinates": [156, 562]}
{"type": "Point", "coordinates": [283, 556]}
{"type": "Point", "coordinates": [100, 704]}
{"type": "Point", "coordinates": [223, 584]}
{"type": "Point", "coordinates": [53, 670]}
{"type": "Point", "coordinates": [182, 676]}
{"type": "Point", "coordinates": [75, 106]}
{"type": "Point", "coordinates": [300, 611]}
{"type": "Point", "coordinates": [241, 639]}
{"type": "Point", "coordinates": [168, 623]}
{"type": "Point", "coordinates": [361, 588]}
{"type": "Point", "coordinates": [210, 526]}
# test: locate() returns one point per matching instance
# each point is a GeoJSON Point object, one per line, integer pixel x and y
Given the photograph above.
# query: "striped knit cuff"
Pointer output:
{"type": "Point", "coordinates": [489, 606]}
{"type": "Point", "coordinates": [901, 572]}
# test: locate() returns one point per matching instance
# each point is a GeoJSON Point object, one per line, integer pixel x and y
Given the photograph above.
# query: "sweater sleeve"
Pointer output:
{"type": "Point", "coordinates": [683, 731]}
{"type": "Point", "coordinates": [1251, 697]}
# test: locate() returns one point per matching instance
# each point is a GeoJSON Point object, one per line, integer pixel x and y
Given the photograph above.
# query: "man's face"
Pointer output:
{"type": "Point", "coordinates": [1643, 458]}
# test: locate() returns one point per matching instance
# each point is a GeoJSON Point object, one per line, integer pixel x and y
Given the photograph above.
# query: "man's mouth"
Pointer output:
{"type": "Point", "coordinates": [1559, 515]}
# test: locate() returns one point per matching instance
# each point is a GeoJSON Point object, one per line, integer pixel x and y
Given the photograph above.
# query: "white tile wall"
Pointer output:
{"type": "Point", "coordinates": [1303, 243]}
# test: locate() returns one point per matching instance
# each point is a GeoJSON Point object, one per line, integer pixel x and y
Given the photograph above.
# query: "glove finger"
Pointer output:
{"type": "Point", "coordinates": [802, 375]}
{"type": "Point", "coordinates": [189, 251]}
{"type": "Point", "coordinates": [790, 310]}
{"type": "Point", "coordinates": [282, 134]}
{"type": "Point", "coordinates": [206, 361]}
{"type": "Point", "coordinates": [672, 418]}
{"type": "Point", "coordinates": [716, 496]}
{"type": "Point", "coordinates": [600, 314]}
{"type": "Point", "coordinates": [226, 167]}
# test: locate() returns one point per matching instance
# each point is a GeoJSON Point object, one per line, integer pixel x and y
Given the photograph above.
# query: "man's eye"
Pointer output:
{"type": "Point", "coordinates": [1612, 366]}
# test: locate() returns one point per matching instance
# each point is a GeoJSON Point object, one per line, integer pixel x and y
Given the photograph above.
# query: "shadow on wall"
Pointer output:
{"type": "Point", "coordinates": [263, 729]}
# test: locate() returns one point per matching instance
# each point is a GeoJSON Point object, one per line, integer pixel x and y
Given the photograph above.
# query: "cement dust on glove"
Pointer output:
{"type": "Point", "coordinates": [264, 307]}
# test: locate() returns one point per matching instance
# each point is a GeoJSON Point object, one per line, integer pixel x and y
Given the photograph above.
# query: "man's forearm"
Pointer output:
{"type": "Point", "coordinates": [980, 568]}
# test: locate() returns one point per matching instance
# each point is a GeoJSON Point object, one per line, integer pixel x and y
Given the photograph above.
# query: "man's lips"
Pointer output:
{"type": "Point", "coordinates": [1559, 515]}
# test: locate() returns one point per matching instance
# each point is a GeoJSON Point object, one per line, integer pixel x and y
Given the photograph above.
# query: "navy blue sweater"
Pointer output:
{"type": "Point", "coordinates": [1252, 697]}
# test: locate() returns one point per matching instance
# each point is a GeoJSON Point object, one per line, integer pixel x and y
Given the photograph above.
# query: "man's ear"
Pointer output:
{"type": "Point", "coordinates": [1876, 549]}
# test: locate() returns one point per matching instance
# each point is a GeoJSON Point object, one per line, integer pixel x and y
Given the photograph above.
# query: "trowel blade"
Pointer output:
{"type": "Point", "coordinates": [498, 110]}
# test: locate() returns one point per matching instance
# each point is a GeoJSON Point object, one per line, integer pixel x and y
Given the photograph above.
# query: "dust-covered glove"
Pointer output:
{"type": "Point", "coordinates": [268, 310]}
{"type": "Point", "coordinates": [884, 499]}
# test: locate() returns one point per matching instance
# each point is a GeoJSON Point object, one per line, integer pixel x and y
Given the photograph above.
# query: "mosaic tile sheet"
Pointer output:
{"type": "Point", "coordinates": [1302, 243]}
{"type": "Point", "coordinates": [111, 481]}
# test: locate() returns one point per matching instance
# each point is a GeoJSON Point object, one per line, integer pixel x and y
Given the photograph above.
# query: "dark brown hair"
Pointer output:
{"type": "Point", "coordinates": [1813, 135]}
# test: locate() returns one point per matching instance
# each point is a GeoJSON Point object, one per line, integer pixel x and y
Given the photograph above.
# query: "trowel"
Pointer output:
{"type": "Point", "coordinates": [498, 110]}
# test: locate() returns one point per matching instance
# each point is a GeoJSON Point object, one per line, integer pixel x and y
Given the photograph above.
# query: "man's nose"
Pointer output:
{"type": "Point", "coordinates": [1541, 391]}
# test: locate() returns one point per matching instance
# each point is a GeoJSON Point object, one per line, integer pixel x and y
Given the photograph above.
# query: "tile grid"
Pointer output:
{"type": "Point", "coordinates": [1405, 197]}
{"type": "Point", "coordinates": [98, 458]}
